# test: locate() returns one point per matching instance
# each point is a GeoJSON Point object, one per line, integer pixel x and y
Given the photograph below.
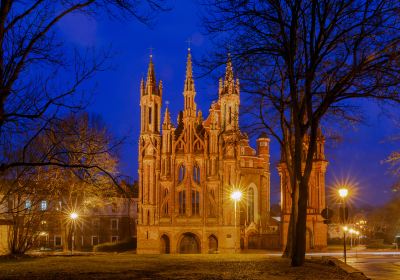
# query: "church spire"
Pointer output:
{"type": "Point", "coordinates": [189, 92]}
{"type": "Point", "coordinates": [151, 85]}
{"type": "Point", "coordinates": [229, 70]}
{"type": "Point", "coordinates": [189, 83]}
{"type": "Point", "coordinates": [230, 86]}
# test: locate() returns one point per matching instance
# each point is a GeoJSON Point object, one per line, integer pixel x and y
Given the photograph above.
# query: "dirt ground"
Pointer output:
{"type": "Point", "coordinates": [131, 266]}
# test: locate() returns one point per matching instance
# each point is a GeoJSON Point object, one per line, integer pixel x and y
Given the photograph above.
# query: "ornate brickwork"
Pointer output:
{"type": "Point", "coordinates": [188, 169]}
{"type": "Point", "coordinates": [316, 235]}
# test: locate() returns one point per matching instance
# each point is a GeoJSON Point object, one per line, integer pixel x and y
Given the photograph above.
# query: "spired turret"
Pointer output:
{"type": "Point", "coordinates": [229, 99]}
{"type": "Point", "coordinates": [189, 91]}
{"type": "Point", "coordinates": [150, 101]}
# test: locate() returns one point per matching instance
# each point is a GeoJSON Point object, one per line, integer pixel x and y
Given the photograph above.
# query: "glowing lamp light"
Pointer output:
{"type": "Point", "coordinates": [236, 195]}
{"type": "Point", "coordinates": [343, 192]}
{"type": "Point", "coordinates": [345, 228]}
{"type": "Point", "coordinates": [73, 216]}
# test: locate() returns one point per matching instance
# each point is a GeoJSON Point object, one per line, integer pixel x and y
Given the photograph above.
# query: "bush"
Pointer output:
{"type": "Point", "coordinates": [120, 246]}
{"type": "Point", "coordinates": [378, 244]}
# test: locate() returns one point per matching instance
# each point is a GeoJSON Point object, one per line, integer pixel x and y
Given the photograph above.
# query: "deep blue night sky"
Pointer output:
{"type": "Point", "coordinates": [357, 157]}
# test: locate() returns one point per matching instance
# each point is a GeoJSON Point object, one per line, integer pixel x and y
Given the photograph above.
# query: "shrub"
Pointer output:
{"type": "Point", "coordinates": [120, 246]}
{"type": "Point", "coordinates": [377, 244]}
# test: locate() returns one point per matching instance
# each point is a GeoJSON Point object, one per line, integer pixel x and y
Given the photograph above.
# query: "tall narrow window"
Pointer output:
{"type": "Point", "coordinates": [230, 115]}
{"type": "Point", "coordinates": [195, 202]}
{"type": "Point", "coordinates": [149, 115]}
{"type": "Point", "coordinates": [156, 118]}
{"type": "Point", "coordinates": [182, 202]}
{"type": "Point", "coordinates": [181, 174]}
{"type": "Point", "coordinates": [250, 205]}
{"type": "Point", "coordinates": [196, 174]}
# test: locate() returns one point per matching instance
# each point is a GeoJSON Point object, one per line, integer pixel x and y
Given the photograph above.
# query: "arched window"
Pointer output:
{"type": "Point", "coordinates": [250, 205]}
{"type": "Point", "coordinates": [181, 174]}
{"type": "Point", "coordinates": [165, 210]}
{"type": "Point", "coordinates": [182, 202]}
{"type": "Point", "coordinates": [195, 202]}
{"type": "Point", "coordinates": [196, 174]}
{"type": "Point", "coordinates": [165, 207]}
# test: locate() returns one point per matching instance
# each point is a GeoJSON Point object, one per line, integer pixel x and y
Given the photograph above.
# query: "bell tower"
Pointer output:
{"type": "Point", "coordinates": [316, 234]}
{"type": "Point", "coordinates": [230, 100]}
{"type": "Point", "coordinates": [149, 160]}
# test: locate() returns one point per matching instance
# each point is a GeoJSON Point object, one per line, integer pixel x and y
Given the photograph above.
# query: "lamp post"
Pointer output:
{"type": "Point", "coordinates": [236, 195]}
{"type": "Point", "coordinates": [73, 216]}
{"type": "Point", "coordinates": [343, 192]}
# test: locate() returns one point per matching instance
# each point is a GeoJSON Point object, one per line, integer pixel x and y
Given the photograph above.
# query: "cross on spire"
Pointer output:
{"type": "Point", "coordinates": [151, 49]}
{"type": "Point", "coordinates": [189, 42]}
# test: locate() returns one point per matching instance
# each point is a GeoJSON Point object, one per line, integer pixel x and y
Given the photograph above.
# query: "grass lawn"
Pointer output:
{"type": "Point", "coordinates": [131, 266]}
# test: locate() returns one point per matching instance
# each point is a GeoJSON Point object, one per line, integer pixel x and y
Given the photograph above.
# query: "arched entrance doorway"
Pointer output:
{"type": "Point", "coordinates": [252, 241]}
{"type": "Point", "coordinates": [189, 244]}
{"type": "Point", "coordinates": [164, 244]}
{"type": "Point", "coordinates": [212, 244]}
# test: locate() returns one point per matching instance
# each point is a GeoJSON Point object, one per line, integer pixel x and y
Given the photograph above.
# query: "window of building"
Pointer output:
{"type": "Point", "coordinates": [114, 238]}
{"type": "Point", "coordinates": [114, 224]}
{"type": "Point", "coordinates": [95, 240]}
{"type": "Point", "coordinates": [181, 174]}
{"type": "Point", "coordinates": [28, 204]}
{"type": "Point", "coordinates": [43, 205]}
{"type": "Point", "coordinates": [57, 241]}
{"type": "Point", "coordinates": [149, 115]}
{"type": "Point", "coordinates": [195, 202]}
{"type": "Point", "coordinates": [196, 174]}
{"type": "Point", "coordinates": [250, 205]}
{"type": "Point", "coordinates": [95, 223]}
{"type": "Point", "coordinates": [165, 210]}
{"type": "Point", "coordinates": [182, 202]}
{"type": "Point", "coordinates": [114, 208]}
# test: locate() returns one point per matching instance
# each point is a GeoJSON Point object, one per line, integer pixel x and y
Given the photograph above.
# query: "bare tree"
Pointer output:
{"type": "Point", "coordinates": [76, 141]}
{"type": "Point", "coordinates": [300, 61]}
{"type": "Point", "coordinates": [34, 63]}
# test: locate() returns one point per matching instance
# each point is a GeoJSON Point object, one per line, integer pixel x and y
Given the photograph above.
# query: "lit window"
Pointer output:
{"type": "Point", "coordinates": [28, 204]}
{"type": "Point", "coordinates": [43, 205]}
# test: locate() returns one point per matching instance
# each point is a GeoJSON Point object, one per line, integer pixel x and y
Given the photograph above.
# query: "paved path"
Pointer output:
{"type": "Point", "coordinates": [377, 267]}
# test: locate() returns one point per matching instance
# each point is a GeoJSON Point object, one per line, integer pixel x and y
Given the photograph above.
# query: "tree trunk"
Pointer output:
{"type": "Point", "coordinates": [299, 251]}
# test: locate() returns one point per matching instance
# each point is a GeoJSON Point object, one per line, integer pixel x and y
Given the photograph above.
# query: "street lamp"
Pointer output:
{"type": "Point", "coordinates": [236, 196]}
{"type": "Point", "coordinates": [73, 216]}
{"type": "Point", "coordinates": [343, 192]}
{"type": "Point", "coordinates": [345, 229]}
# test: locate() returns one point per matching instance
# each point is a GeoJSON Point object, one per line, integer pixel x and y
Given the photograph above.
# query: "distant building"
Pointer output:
{"type": "Point", "coordinates": [111, 220]}
{"type": "Point", "coordinates": [187, 171]}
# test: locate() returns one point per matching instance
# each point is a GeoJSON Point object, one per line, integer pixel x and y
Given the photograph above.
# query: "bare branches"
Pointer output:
{"type": "Point", "coordinates": [301, 61]}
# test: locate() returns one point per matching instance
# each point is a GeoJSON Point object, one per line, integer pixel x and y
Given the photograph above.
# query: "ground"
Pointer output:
{"type": "Point", "coordinates": [131, 266]}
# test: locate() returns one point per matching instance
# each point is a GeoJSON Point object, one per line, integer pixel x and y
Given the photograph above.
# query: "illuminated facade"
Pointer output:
{"type": "Point", "coordinates": [188, 169]}
{"type": "Point", "coordinates": [317, 231]}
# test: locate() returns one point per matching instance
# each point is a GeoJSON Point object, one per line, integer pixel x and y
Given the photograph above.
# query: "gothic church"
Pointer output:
{"type": "Point", "coordinates": [188, 170]}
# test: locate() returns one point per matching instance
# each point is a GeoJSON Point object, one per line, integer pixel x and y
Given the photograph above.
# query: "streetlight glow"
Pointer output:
{"type": "Point", "coordinates": [73, 216]}
{"type": "Point", "coordinates": [345, 228]}
{"type": "Point", "coordinates": [343, 192]}
{"type": "Point", "coordinates": [236, 195]}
